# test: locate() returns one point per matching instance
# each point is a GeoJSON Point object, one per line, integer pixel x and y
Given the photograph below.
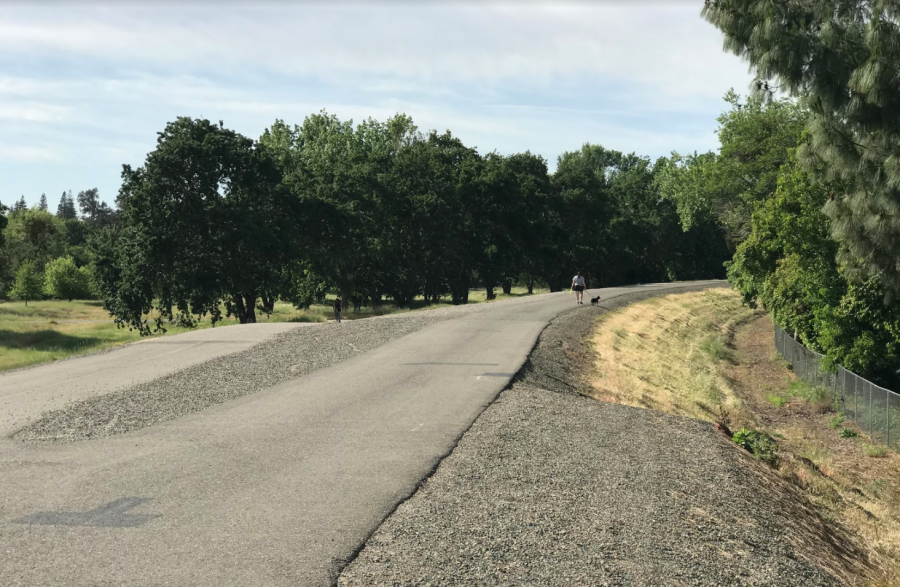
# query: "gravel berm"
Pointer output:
{"type": "Point", "coordinates": [552, 488]}
{"type": "Point", "coordinates": [290, 355]}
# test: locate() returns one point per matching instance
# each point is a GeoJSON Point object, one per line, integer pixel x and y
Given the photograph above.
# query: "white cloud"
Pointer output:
{"type": "Point", "coordinates": [85, 88]}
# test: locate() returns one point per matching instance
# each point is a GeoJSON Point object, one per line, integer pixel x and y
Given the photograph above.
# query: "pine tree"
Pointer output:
{"type": "Point", "coordinates": [42, 205]}
{"type": "Point", "coordinates": [842, 58]}
{"type": "Point", "coordinates": [66, 209]}
{"type": "Point", "coordinates": [20, 205]}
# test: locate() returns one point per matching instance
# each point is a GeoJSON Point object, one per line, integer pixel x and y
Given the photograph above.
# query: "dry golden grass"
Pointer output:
{"type": "Point", "coordinates": [691, 354]}
{"type": "Point", "coordinates": [664, 354]}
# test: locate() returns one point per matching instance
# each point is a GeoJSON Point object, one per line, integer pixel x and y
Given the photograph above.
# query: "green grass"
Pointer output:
{"type": "Point", "coordinates": [714, 345]}
{"type": "Point", "coordinates": [800, 390]}
{"type": "Point", "coordinates": [836, 421]}
{"type": "Point", "coordinates": [46, 331]}
{"type": "Point", "coordinates": [874, 450]}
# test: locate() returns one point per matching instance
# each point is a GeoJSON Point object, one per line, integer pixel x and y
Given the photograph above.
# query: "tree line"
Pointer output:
{"type": "Point", "coordinates": [807, 188]}
{"type": "Point", "coordinates": [215, 223]}
{"type": "Point", "coordinates": [49, 255]}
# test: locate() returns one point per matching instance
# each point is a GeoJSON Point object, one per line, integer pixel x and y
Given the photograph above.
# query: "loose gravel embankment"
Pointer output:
{"type": "Point", "coordinates": [289, 355]}
{"type": "Point", "coordinates": [556, 489]}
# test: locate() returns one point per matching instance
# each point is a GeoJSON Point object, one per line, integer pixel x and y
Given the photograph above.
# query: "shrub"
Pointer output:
{"type": "Point", "coordinates": [836, 421]}
{"type": "Point", "coordinates": [65, 281]}
{"type": "Point", "coordinates": [848, 433]}
{"type": "Point", "coordinates": [28, 284]}
{"type": "Point", "coordinates": [759, 444]}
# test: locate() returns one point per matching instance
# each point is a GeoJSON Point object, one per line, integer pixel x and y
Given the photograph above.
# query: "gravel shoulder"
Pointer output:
{"type": "Point", "coordinates": [280, 358]}
{"type": "Point", "coordinates": [552, 488]}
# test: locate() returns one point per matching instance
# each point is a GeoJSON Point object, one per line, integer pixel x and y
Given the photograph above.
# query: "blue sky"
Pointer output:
{"type": "Point", "coordinates": [84, 88]}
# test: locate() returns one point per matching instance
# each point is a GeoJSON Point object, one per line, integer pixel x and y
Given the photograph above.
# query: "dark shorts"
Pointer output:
{"type": "Point", "coordinates": [578, 288]}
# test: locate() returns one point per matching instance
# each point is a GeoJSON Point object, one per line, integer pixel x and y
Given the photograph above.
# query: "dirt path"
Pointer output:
{"type": "Point", "coordinates": [552, 488]}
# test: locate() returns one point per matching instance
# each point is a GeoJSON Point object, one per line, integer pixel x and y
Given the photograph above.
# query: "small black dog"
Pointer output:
{"type": "Point", "coordinates": [595, 301]}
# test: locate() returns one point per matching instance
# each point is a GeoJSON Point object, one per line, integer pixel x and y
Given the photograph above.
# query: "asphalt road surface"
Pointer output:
{"type": "Point", "coordinates": [279, 487]}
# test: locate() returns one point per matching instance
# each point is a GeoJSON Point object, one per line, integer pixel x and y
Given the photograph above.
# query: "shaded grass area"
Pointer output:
{"type": "Point", "coordinates": [707, 357]}
{"type": "Point", "coordinates": [46, 331]}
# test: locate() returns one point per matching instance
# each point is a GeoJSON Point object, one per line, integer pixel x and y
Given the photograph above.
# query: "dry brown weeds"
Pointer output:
{"type": "Point", "coordinates": [704, 355]}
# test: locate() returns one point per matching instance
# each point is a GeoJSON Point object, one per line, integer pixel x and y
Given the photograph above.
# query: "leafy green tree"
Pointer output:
{"type": "Point", "coordinates": [206, 221]}
{"type": "Point", "coordinates": [841, 58]}
{"type": "Point", "coordinates": [756, 138]}
{"type": "Point", "coordinates": [29, 283]}
{"type": "Point", "coordinates": [64, 280]}
{"type": "Point", "coordinates": [33, 235]}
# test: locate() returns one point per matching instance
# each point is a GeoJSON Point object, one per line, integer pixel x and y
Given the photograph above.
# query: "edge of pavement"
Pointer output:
{"type": "Point", "coordinates": [521, 373]}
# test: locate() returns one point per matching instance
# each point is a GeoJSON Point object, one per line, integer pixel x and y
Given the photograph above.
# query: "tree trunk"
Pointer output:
{"type": "Point", "coordinates": [268, 303]}
{"type": "Point", "coordinates": [239, 308]}
{"type": "Point", "coordinates": [250, 308]}
{"type": "Point", "coordinates": [507, 287]}
{"type": "Point", "coordinates": [530, 285]}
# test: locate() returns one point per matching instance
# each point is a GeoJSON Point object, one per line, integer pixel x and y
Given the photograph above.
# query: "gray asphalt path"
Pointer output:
{"type": "Point", "coordinates": [279, 487]}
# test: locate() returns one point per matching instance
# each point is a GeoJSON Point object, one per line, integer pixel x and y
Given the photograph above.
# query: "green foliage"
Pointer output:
{"type": "Point", "coordinates": [760, 444]}
{"type": "Point", "coordinates": [836, 421]}
{"type": "Point", "coordinates": [63, 279]}
{"type": "Point", "coordinates": [788, 265]}
{"type": "Point", "coordinates": [756, 138]}
{"type": "Point", "coordinates": [800, 390]}
{"type": "Point", "coordinates": [205, 221]}
{"type": "Point", "coordinates": [29, 283]}
{"type": "Point", "coordinates": [848, 433]}
{"type": "Point", "coordinates": [840, 58]}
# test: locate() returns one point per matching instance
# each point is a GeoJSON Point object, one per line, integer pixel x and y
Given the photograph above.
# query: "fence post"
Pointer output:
{"type": "Point", "coordinates": [871, 424]}
{"type": "Point", "coordinates": [887, 406]}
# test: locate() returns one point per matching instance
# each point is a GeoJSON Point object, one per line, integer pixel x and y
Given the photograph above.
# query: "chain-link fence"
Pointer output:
{"type": "Point", "coordinates": [874, 409]}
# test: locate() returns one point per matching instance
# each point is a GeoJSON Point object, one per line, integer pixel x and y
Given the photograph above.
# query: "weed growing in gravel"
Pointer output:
{"type": "Point", "coordinates": [848, 433]}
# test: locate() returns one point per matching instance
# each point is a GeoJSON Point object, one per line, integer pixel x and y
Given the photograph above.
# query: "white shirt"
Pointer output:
{"type": "Point", "coordinates": [578, 280]}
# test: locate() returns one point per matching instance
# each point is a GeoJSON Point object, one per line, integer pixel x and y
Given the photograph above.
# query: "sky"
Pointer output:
{"type": "Point", "coordinates": [86, 87]}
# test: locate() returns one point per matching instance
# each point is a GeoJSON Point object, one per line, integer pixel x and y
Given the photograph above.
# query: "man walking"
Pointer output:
{"type": "Point", "coordinates": [578, 288]}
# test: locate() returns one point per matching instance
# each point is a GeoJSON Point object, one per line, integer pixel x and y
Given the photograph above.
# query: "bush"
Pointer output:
{"type": "Point", "coordinates": [836, 421]}
{"type": "Point", "coordinates": [759, 444]}
{"type": "Point", "coordinates": [65, 281]}
{"type": "Point", "coordinates": [28, 284]}
{"type": "Point", "coordinates": [848, 433]}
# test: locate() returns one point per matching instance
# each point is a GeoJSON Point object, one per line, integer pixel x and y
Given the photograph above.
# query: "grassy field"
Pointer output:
{"type": "Point", "coordinates": [50, 330]}
{"type": "Point", "coordinates": [705, 356]}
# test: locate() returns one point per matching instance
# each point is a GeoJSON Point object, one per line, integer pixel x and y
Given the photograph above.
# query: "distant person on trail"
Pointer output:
{"type": "Point", "coordinates": [578, 288]}
{"type": "Point", "coordinates": [337, 310]}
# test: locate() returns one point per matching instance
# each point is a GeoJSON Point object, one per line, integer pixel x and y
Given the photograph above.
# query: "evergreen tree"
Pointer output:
{"type": "Point", "coordinates": [20, 206]}
{"type": "Point", "coordinates": [842, 57]}
{"type": "Point", "coordinates": [66, 209]}
{"type": "Point", "coordinates": [42, 205]}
